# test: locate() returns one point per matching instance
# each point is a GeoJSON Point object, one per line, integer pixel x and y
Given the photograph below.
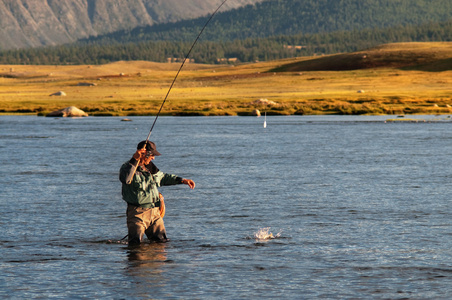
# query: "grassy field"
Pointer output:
{"type": "Point", "coordinates": [406, 78]}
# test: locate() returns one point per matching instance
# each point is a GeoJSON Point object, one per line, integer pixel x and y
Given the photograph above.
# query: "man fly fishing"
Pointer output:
{"type": "Point", "coordinates": [140, 191]}
{"type": "Point", "coordinates": [140, 179]}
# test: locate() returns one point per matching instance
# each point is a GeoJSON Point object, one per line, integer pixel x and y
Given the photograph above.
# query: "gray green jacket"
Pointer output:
{"type": "Point", "coordinates": [143, 190]}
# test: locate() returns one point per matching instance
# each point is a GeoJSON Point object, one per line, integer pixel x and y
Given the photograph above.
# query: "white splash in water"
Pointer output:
{"type": "Point", "coordinates": [265, 234]}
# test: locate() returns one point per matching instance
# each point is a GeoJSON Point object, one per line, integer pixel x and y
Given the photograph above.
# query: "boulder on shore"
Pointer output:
{"type": "Point", "coordinates": [256, 113]}
{"type": "Point", "coordinates": [59, 93]}
{"type": "Point", "coordinates": [70, 111]}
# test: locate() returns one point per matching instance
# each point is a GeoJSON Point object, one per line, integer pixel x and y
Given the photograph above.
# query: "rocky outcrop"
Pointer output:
{"type": "Point", "coordinates": [31, 23]}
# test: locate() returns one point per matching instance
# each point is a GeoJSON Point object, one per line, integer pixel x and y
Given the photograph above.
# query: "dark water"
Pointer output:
{"type": "Point", "coordinates": [363, 207]}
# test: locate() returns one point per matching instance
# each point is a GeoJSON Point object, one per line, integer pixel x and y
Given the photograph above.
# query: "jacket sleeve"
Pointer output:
{"type": "Point", "coordinates": [126, 169]}
{"type": "Point", "coordinates": [167, 179]}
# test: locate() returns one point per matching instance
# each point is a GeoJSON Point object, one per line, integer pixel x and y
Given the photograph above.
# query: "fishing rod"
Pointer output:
{"type": "Point", "coordinates": [131, 174]}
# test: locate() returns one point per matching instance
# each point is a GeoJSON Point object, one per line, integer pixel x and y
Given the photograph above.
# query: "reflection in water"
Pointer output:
{"type": "Point", "coordinates": [145, 267]}
{"type": "Point", "coordinates": [147, 255]}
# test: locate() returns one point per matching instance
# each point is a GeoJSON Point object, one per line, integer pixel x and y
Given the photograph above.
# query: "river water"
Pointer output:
{"type": "Point", "coordinates": [362, 208]}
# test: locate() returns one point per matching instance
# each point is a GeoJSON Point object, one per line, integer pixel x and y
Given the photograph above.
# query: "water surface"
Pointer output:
{"type": "Point", "coordinates": [363, 207]}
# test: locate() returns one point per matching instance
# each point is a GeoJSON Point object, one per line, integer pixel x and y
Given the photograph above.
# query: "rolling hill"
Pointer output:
{"type": "Point", "coordinates": [434, 57]}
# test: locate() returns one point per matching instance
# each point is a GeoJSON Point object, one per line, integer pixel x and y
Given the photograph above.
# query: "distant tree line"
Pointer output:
{"type": "Point", "coordinates": [242, 50]}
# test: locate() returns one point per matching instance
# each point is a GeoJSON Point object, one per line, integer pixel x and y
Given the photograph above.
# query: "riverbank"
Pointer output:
{"type": "Point", "coordinates": [418, 86]}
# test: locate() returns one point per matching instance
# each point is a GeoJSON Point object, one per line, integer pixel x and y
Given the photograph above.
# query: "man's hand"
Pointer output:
{"type": "Point", "coordinates": [189, 182]}
{"type": "Point", "coordinates": [139, 154]}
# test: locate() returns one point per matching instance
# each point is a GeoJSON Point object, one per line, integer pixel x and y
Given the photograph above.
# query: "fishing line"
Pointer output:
{"type": "Point", "coordinates": [131, 174]}
{"type": "Point", "coordinates": [182, 65]}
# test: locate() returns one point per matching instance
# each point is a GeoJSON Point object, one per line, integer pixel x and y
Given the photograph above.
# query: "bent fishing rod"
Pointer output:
{"type": "Point", "coordinates": [131, 174]}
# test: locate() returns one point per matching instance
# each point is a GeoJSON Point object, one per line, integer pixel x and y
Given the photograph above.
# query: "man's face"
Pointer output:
{"type": "Point", "coordinates": [148, 158]}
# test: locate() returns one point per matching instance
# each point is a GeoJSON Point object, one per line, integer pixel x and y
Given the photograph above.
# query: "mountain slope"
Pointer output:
{"type": "Point", "coordinates": [289, 17]}
{"type": "Point", "coordinates": [31, 23]}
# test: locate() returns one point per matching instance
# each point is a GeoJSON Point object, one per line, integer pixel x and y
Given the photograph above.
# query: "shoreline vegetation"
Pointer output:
{"type": "Point", "coordinates": [392, 79]}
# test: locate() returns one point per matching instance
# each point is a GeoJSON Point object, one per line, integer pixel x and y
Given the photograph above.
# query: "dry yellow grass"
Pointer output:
{"type": "Point", "coordinates": [138, 88]}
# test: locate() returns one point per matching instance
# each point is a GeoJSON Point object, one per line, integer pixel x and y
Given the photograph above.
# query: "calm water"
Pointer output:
{"type": "Point", "coordinates": [363, 207]}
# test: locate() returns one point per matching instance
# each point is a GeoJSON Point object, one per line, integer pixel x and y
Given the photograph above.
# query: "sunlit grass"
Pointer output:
{"type": "Point", "coordinates": [138, 88]}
